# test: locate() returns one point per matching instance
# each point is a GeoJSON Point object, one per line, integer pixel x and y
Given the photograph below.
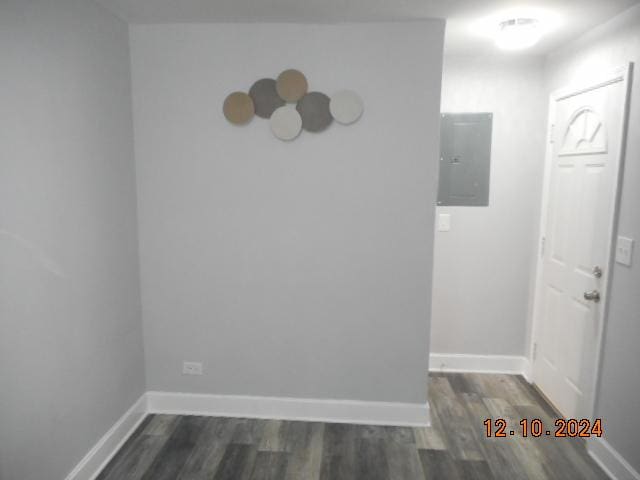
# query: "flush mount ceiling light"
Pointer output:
{"type": "Point", "coordinates": [516, 28]}
{"type": "Point", "coordinates": [518, 33]}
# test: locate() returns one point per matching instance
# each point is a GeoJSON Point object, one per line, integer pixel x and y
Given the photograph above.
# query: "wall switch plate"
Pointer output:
{"type": "Point", "coordinates": [444, 222]}
{"type": "Point", "coordinates": [192, 368]}
{"type": "Point", "coordinates": [624, 251]}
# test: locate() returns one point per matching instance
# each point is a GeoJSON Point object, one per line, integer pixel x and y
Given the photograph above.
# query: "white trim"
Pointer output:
{"type": "Point", "coordinates": [315, 410]}
{"type": "Point", "coordinates": [103, 451]}
{"type": "Point", "coordinates": [527, 373]}
{"type": "Point", "coordinates": [306, 409]}
{"type": "Point", "coordinates": [443, 362]}
{"type": "Point", "coordinates": [538, 267]}
{"type": "Point", "coordinates": [610, 460]}
{"type": "Point", "coordinates": [624, 74]}
{"type": "Point", "coordinates": [621, 74]}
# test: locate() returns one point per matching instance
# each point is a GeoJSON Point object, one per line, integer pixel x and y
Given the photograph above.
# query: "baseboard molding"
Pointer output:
{"type": "Point", "coordinates": [98, 457]}
{"type": "Point", "coordinates": [332, 411]}
{"type": "Point", "coordinates": [444, 362]}
{"type": "Point", "coordinates": [315, 410]}
{"type": "Point", "coordinates": [610, 460]}
{"type": "Point", "coordinates": [528, 371]}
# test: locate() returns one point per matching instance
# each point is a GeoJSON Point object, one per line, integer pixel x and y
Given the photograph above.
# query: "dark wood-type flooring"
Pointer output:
{"type": "Point", "coordinates": [167, 447]}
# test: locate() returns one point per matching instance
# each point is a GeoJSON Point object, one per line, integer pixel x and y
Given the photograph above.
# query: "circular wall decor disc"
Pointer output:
{"type": "Point", "coordinates": [314, 110]}
{"type": "Point", "coordinates": [291, 85]}
{"type": "Point", "coordinates": [346, 106]}
{"type": "Point", "coordinates": [238, 108]}
{"type": "Point", "coordinates": [265, 97]}
{"type": "Point", "coordinates": [286, 123]}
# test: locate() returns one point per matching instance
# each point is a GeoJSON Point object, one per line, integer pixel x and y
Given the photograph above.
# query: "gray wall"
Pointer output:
{"type": "Point", "coordinates": [71, 360]}
{"type": "Point", "coordinates": [298, 269]}
{"type": "Point", "coordinates": [608, 47]}
{"type": "Point", "coordinates": [483, 266]}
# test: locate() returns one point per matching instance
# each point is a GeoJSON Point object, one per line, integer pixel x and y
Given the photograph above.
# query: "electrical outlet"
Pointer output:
{"type": "Point", "coordinates": [624, 251]}
{"type": "Point", "coordinates": [192, 368]}
{"type": "Point", "coordinates": [444, 222]}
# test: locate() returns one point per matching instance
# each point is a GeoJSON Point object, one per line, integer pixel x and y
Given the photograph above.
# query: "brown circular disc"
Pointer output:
{"type": "Point", "coordinates": [238, 108]}
{"type": "Point", "coordinates": [314, 110]}
{"type": "Point", "coordinates": [265, 97]}
{"type": "Point", "coordinates": [291, 85]}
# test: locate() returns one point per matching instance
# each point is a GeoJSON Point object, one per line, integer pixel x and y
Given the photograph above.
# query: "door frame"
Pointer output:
{"type": "Point", "coordinates": [621, 74]}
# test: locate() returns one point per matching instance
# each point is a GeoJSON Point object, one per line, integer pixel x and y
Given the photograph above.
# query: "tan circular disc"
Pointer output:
{"type": "Point", "coordinates": [291, 85]}
{"type": "Point", "coordinates": [238, 108]}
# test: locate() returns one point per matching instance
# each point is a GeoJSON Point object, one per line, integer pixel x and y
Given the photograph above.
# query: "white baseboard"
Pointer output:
{"type": "Point", "coordinates": [528, 371]}
{"type": "Point", "coordinates": [444, 362]}
{"type": "Point", "coordinates": [98, 457]}
{"type": "Point", "coordinates": [610, 460]}
{"type": "Point", "coordinates": [315, 410]}
{"type": "Point", "coordinates": [332, 411]}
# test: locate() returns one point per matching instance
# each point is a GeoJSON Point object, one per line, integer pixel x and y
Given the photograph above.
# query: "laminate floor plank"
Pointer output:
{"type": "Point", "coordinates": [536, 399]}
{"type": "Point", "coordinates": [496, 451]}
{"type": "Point", "coordinates": [161, 425]}
{"type": "Point", "coordinates": [338, 452]}
{"type": "Point", "coordinates": [139, 456]}
{"type": "Point", "coordinates": [274, 437]}
{"type": "Point", "coordinates": [176, 450]}
{"type": "Point", "coordinates": [475, 470]}
{"type": "Point", "coordinates": [432, 437]}
{"type": "Point", "coordinates": [269, 466]}
{"type": "Point", "coordinates": [428, 438]}
{"type": "Point", "coordinates": [207, 454]}
{"type": "Point", "coordinates": [126, 449]}
{"type": "Point", "coordinates": [451, 412]}
{"type": "Point", "coordinates": [454, 447]}
{"type": "Point", "coordinates": [249, 431]}
{"type": "Point", "coordinates": [439, 465]}
{"type": "Point", "coordinates": [525, 450]}
{"type": "Point", "coordinates": [402, 435]}
{"type": "Point", "coordinates": [403, 462]}
{"type": "Point", "coordinates": [564, 457]}
{"type": "Point", "coordinates": [305, 457]}
{"type": "Point", "coordinates": [371, 461]}
{"type": "Point", "coordinates": [237, 462]}
{"type": "Point", "coordinates": [462, 384]}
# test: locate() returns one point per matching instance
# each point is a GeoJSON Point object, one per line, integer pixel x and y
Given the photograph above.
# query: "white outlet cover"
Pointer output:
{"type": "Point", "coordinates": [444, 222]}
{"type": "Point", "coordinates": [192, 368]}
{"type": "Point", "coordinates": [624, 251]}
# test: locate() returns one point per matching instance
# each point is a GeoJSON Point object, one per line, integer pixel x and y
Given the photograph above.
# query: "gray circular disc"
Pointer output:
{"type": "Point", "coordinates": [314, 110]}
{"type": "Point", "coordinates": [265, 97]}
{"type": "Point", "coordinates": [286, 123]}
{"type": "Point", "coordinates": [346, 106]}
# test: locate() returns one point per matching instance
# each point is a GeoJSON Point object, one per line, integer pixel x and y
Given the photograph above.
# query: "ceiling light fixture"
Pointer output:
{"type": "Point", "coordinates": [518, 33]}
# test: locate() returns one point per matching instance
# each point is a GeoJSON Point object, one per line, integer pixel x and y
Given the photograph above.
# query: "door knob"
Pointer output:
{"type": "Point", "coordinates": [593, 296]}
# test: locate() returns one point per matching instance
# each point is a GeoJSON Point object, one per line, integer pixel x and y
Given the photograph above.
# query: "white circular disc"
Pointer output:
{"type": "Point", "coordinates": [286, 123]}
{"type": "Point", "coordinates": [346, 106]}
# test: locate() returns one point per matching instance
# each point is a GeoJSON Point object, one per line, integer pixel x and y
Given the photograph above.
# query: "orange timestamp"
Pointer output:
{"type": "Point", "coordinates": [570, 428]}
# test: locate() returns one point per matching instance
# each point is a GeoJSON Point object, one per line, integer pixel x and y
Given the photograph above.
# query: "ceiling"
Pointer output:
{"type": "Point", "coordinates": [570, 17]}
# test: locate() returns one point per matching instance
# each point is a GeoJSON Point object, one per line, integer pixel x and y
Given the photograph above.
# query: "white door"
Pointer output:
{"type": "Point", "coordinates": [584, 161]}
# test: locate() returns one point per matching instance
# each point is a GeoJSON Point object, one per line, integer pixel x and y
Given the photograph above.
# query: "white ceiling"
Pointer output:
{"type": "Point", "coordinates": [574, 16]}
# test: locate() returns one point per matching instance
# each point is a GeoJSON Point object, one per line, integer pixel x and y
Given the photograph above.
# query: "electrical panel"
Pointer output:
{"type": "Point", "coordinates": [465, 159]}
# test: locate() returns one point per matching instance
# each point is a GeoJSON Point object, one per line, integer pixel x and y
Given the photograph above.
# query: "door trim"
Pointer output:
{"type": "Point", "coordinates": [622, 74]}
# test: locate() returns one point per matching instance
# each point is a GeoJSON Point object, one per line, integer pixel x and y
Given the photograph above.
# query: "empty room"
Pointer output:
{"type": "Point", "coordinates": [319, 240]}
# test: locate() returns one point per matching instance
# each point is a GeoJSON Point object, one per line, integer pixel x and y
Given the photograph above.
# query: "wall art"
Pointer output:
{"type": "Point", "coordinates": [290, 107]}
